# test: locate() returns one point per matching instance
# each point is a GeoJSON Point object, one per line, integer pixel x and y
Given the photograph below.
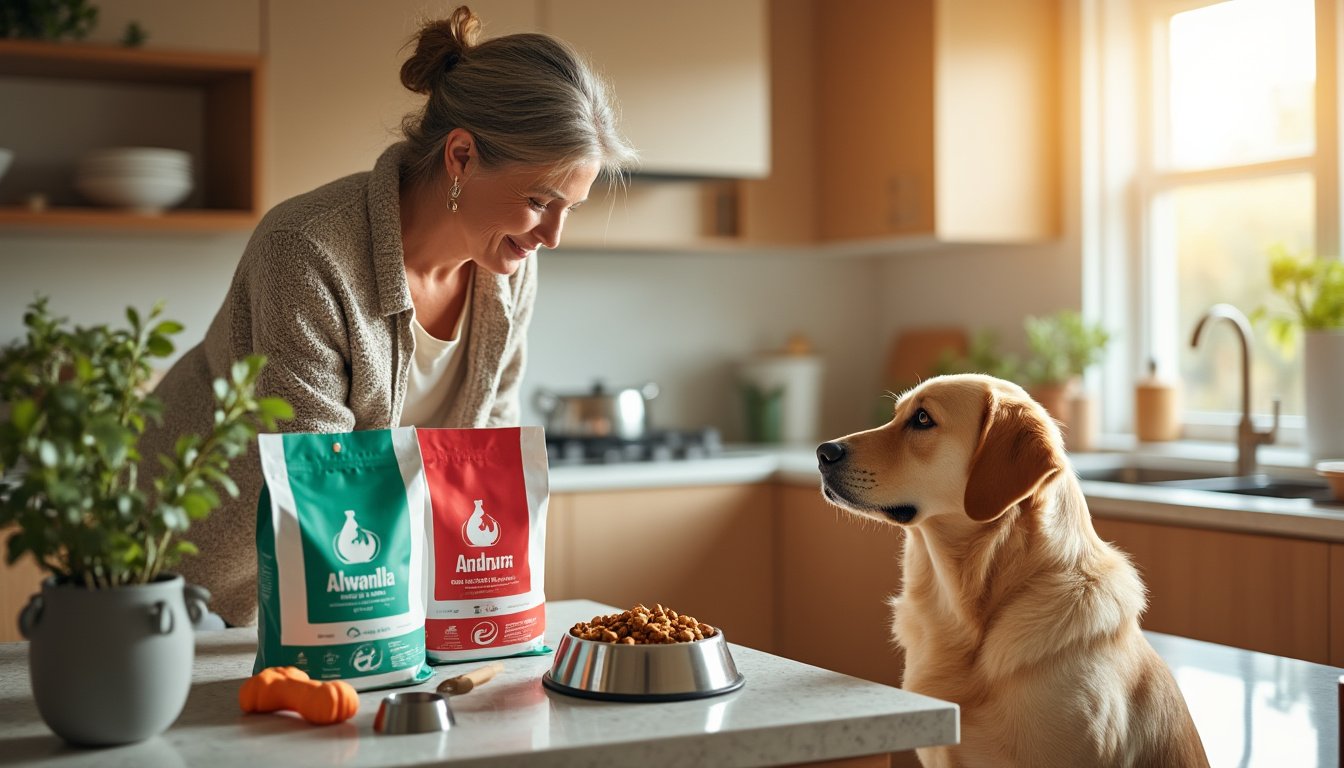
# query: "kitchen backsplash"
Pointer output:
{"type": "Point", "coordinates": [683, 321]}
{"type": "Point", "coordinates": [680, 321]}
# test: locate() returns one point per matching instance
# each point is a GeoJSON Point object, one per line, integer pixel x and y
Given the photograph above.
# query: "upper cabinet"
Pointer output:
{"type": "Point", "coordinates": [336, 98]}
{"type": "Point", "coordinates": [696, 108]}
{"type": "Point", "coordinates": [692, 78]}
{"type": "Point", "coordinates": [939, 120]}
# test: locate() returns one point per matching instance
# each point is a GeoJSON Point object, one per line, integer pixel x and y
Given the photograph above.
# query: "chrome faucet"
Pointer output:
{"type": "Point", "coordinates": [1248, 439]}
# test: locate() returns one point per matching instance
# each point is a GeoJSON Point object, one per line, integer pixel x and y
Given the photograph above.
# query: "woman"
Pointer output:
{"type": "Point", "coordinates": [402, 295]}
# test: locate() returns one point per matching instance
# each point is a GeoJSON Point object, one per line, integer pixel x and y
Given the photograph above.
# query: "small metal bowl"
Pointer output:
{"type": "Point", "coordinates": [413, 712]}
{"type": "Point", "coordinates": [614, 672]}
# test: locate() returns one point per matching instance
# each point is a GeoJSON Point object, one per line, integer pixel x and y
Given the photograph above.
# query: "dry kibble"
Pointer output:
{"type": "Point", "coordinates": [642, 626]}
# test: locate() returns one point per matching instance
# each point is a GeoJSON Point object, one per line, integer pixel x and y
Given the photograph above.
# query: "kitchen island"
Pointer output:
{"type": "Point", "coordinates": [787, 713]}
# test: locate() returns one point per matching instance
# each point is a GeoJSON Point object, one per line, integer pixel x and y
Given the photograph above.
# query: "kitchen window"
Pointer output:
{"type": "Point", "coordinates": [1230, 150]}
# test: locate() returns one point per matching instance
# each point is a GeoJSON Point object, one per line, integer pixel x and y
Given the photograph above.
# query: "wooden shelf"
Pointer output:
{"type": "Point", "coordinates": [178, 220]}
{"type": "Point", "coordinates": [83, 61]}
{"type": "Point", "coordinates": [230, 129]}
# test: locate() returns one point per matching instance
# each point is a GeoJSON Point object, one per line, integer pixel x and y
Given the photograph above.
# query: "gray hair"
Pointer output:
{"type": "Point", "coordinates": [527, 99]}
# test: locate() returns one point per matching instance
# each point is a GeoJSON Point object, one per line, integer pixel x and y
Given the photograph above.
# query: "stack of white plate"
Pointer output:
{"type": "Point", "coordinates": [145, 179]}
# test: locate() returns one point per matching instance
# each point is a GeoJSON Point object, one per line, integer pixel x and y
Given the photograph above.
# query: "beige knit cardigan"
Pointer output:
{"type": "Point", "coordinates": [321, 291]}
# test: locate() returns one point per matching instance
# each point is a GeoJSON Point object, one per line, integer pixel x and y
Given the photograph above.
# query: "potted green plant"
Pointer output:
{"type": "Point", "coordinates": [1062, 346]}
{"type": "Point", "coordinates": [111, 636]}
{"type": "Point", "coordinates": [982, 356]}
{"type": "Point", "coordinates": [1310, 305]}
{"type": "Point", "coordinates": [47, 19]}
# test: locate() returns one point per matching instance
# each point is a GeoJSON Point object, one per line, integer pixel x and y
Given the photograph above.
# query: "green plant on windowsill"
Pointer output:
{"type": "Point", "coordinates": [69, 462]}
{"type": "Point", "coordinates": [1310, 292]}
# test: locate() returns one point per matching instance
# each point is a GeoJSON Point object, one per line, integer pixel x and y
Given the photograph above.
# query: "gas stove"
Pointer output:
{"type": "Point", "coordinates": [658, 445]}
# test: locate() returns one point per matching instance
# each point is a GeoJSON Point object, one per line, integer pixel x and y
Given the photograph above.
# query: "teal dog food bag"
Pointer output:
{"type": "Point", "coordinates": [342, 529]}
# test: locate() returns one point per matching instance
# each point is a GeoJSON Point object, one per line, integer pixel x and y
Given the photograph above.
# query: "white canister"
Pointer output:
{"type": "Point", "coordinates": [1323, 369]}
{"type": "Point", "coordinates": [797, 379]}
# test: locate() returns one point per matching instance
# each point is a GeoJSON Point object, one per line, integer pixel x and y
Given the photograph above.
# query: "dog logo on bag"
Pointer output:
{"type": "Point", "coordinates": [480, 530]}
{"type": "Point", "coordinates": [354, 544]}
{"type": "Point", "coordinates": [366, 658]}
{"type": "Point", "coordinates": [484, 633]}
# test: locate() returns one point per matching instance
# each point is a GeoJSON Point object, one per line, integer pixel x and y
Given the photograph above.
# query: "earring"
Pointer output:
{"type": "Point", "coordinates": [453, 193]}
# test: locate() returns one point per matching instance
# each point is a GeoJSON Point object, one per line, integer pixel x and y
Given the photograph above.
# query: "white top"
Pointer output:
{"type": "Point", "coordinates": [786, 713]}
{"type": "Point", "coordinates": [436, 372]}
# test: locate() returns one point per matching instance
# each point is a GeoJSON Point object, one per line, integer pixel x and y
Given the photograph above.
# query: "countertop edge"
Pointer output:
{"type": "Point", "coordinates": [796, 466]}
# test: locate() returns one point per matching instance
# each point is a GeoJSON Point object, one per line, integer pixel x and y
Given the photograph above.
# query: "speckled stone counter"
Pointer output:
{"type": "Point", "coordinates": [786, 713]}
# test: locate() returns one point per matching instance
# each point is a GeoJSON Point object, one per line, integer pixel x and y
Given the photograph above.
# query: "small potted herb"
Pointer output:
{"type": "Point", "coordinates": [1063, 346]}
{"type": "Point", "coordinates": [1310, 294]}
{"type": "Point", "coordinates": [112, 617]}
{"type": "Point", "coordinates": [47, 19]}
{"type": "Point", "coordinates": [982, 356]}
{"type": "Point", "coordinates": [1309, 305]}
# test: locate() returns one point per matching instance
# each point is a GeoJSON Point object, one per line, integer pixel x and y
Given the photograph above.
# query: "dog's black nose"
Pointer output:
{"type": "Point", "coordinates": [829, 453]}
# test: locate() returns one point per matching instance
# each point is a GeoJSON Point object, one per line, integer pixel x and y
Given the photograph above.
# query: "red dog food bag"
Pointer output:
{"type": "Point", "coordinates": [488, 489]}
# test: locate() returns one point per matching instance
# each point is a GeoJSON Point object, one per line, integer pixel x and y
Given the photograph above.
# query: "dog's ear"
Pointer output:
{"type": "Point", "coordinates": [1014, 457]}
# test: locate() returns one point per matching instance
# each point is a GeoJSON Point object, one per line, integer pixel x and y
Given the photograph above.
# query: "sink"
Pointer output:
{"type": "Point", "coordinates": [1316, 491]}
{"type": "Point", "coordinates": [1259, 485]}
{"type": "Point", "coordinates": [1139, 475]}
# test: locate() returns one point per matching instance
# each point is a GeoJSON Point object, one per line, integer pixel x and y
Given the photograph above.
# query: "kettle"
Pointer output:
{"type": "Point", "coordinates": [599, 412]}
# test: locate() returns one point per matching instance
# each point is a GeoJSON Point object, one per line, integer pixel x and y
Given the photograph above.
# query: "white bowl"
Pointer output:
{"type": "Point", "coordinates": [144, 193]}
{"type": "Point", "coordinates": [131, 169]}
{"type": "Point", "coordinates": [138, 156]}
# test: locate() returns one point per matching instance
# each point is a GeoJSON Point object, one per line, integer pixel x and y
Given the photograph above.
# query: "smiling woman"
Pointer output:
{"type": "Point", "coordinates": [367, 293]}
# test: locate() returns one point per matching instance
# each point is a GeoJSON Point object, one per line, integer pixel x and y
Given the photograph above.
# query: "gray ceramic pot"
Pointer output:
{"type": "Point", "coordinates": [111, 666]}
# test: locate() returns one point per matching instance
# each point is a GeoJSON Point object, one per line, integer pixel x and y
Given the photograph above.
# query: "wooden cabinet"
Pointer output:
{"type": "Point", "coordinates": [1262, 593]}
{"type": "Point", "coordinates": [1335, 593]}
{"type": "Point", "coordinates": [938, 120]}
{"type": "Point", "coordinates": [79, 97]}
{"type": "Point", "coordinates": [782, 208]}
{"type": "Point", "coordinates": [708, 551]}
{"type": "Point", "coordinates": [336, 100]}
{"type": "Point", "coordinates": [834, 573]}
{"type": "Point", "coordinates": [691, 77]}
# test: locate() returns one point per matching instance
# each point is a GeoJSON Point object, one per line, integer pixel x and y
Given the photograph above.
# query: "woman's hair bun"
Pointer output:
{"type": "Point", "coordinates": [439, 45]}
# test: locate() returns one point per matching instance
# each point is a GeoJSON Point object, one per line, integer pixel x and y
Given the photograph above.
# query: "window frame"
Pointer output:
{"type": "Point", "coordinates": [1123, 269]}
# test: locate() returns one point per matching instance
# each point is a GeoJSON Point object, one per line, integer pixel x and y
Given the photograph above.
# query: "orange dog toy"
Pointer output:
{"type": "Point", "coordinates": [320, 703]}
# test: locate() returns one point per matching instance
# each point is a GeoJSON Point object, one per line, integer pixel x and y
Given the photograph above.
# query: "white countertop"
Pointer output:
{"type": "Point", "coordinates": [798, 465]}
{"type": "Point", "coordinates": [735, 465]}
{"type": "Point", "coordinates": [786, 713]}
{"type": "Point", "coordinates": [1254, 710]}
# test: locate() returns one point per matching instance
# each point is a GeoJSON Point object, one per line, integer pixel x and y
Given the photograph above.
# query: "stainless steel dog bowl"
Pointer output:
{"type": "Point", "coordinates": [671, 672]}
{"type": "Point", "coordinates": [413, 712]}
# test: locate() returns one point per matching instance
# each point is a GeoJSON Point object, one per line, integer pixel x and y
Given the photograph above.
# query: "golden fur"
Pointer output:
{"type": "Point", "coordinates": [1012, 606]}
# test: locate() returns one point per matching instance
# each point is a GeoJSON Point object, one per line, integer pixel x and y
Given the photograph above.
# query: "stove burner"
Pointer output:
{"type": "Point", "coordinates": [659, 445]}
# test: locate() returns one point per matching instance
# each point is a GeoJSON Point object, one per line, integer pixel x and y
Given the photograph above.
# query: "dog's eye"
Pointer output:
{"type": "Point", "coordinates": [922, 420]}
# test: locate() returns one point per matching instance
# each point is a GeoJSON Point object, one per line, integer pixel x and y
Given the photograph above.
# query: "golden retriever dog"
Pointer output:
{"type": "Point", "coordinates": [1012, 607]}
